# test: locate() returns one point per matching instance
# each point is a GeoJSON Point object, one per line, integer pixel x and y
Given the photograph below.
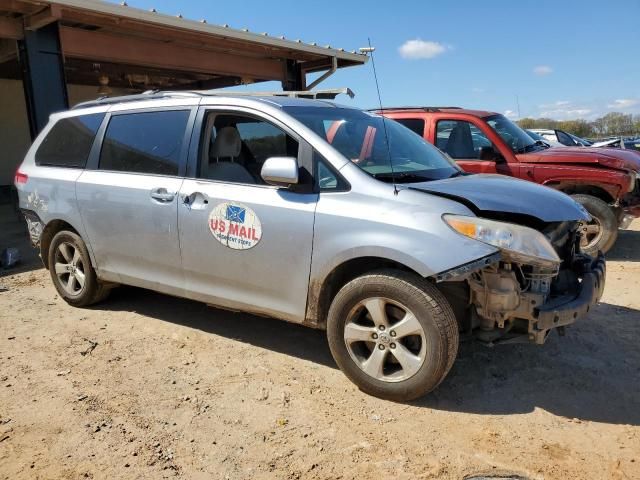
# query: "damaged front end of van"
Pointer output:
{"type": "Point", "coordinates": [538, 280]}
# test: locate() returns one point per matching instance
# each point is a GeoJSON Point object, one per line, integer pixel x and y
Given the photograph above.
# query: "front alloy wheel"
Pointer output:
{"type": "Point", "coordinates": [385, 339]}
{"type": "Point", "coordinates": [393, 334]}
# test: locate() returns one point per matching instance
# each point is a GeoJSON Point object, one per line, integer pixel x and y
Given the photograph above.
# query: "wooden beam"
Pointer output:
{"type": "Point", "coordinates": [43, 18]}
{"type": "Point", "coordinates": [316, 65]}
{"type": "Point", "coordinates": [11, 28]}
{"type": "Point", "coordinates": [119, 25]}
{"type": "Point", "coordinates": [108, 47]}
{"type": "Point", "coordinates": [211, 84]}
{"type": "Point", "coordinates": [17, 6]}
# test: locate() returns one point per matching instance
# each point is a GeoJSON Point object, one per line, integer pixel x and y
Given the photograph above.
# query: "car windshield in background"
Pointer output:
{"type": "Point", "coordinates": [535, 136]}
{"type": "Point", "coordinates": [580, 141]}
{"type": "Point", "coordinates": [519, 140]}
{"type": "Point", "coordinates": [360, 137]}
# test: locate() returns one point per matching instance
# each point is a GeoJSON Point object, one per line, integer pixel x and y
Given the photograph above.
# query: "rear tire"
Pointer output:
{"type": "Point", "coordinates": [602, 232]}
{"type": "Point", "coordinates": [393, 334]}
{"type": "Point", "coordinates": [71, 271]}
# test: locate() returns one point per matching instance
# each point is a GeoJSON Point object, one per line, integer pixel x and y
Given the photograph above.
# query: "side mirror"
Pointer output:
{"type": "Point", "coordinates": [488, 153]}
{"type": "Point", "coordinates": [280, 171]}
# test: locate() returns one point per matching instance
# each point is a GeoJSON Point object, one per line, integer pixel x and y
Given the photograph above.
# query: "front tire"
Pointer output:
{"type": "Point", "coordinates": [393, 334]}
{"type": "Point", "coordinates": [71, 271]}
{"type": "Point", "coordinates": [601, 232]}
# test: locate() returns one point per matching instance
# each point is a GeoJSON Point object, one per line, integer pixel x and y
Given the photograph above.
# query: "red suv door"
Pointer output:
{"type": "Point", "coordinates": [469, 146]}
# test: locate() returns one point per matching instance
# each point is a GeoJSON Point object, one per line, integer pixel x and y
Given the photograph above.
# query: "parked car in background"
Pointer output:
{"type": "Point", "coordinates": [625, 144]}
{"type": "Point", "coordinates": [303, 211]}
{"type": "Point", "coordinates": [546, 140]}
{"type": "Point", "coordinates": [605, 181]}
{"type": "Point", "coordinates": [561, 137]}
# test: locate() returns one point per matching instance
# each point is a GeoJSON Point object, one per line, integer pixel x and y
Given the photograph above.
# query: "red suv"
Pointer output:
{"type": "Point", "coordinates": [605, 181]}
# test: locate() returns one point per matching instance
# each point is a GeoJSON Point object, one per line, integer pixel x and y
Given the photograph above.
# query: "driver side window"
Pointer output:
{"type": "Point", "coordinates": [234, 147]}
{"type": "Point", "coordinates": [460, 139]}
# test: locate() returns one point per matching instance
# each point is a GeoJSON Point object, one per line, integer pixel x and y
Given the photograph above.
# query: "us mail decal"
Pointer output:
{"type": "Point", "coordinates": [235, 226]}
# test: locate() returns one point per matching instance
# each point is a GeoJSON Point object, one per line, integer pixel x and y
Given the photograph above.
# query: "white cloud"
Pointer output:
{"type": "Point", "coordinates": [566, 114]}
{"type": "Point", "coordinates": [565, 110]}
{"type": "Point", "coordinates": [510, 114]}
{"type": "Point", "coordinates": [418, 49]}
{"type": "Point", "coordinates": [477, 90]}
{"type": "Point", "coordinates": [551, 106]}
{"type": "Point", "coordinates": [542, 70]}
{"type": "Point", "coordinates": [624, 103]}
{"type": "Point", "coordinates": [585, 109]}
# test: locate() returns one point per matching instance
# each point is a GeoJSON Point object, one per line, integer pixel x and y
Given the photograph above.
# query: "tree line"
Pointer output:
{"type": "Point", "coordinates": [611, 124]}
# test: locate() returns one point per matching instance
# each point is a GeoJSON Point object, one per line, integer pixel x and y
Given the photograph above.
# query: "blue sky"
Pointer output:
{"type": "Point", "coordinates": [569, 59]}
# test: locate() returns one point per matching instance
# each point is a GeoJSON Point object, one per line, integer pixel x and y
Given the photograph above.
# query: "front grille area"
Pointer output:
{"type": "Point", "coordinates": [565, 238]}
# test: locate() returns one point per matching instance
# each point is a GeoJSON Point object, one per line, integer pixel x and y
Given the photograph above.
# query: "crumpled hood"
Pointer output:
{"type": "Point", "coordinates": [609, 157]}
{"type": "Point", "coordinates": [498, 193]}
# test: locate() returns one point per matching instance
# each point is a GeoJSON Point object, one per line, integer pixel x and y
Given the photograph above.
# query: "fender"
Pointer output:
{"type": "Point", "coordinates": [52, 223]}
{"type": "Point", "coordinates": [372, 258]}
{"type": "Point", "coordinates": [575, 185]}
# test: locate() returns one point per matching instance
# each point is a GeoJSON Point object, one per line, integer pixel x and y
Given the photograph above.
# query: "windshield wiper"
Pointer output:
{"type": "Point", "coordinates": [528, 148]}
{"type": "Point", "coordinates": [401, 176]}
{"type": "Point", "coordinates": [457, 173]}
{"type": "Point", "coordinates": [533, 146]}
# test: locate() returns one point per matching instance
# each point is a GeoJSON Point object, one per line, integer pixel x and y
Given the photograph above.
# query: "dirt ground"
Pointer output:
{"type": "Point", "coordinates": [150, 386]}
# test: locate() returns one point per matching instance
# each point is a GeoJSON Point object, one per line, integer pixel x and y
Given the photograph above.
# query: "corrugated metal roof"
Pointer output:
{"type": "Point", "coordinates": [224, 31]}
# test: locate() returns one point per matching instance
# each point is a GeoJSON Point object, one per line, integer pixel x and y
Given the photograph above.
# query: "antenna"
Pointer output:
{"type": "Point", "coordinates": [370, 51]}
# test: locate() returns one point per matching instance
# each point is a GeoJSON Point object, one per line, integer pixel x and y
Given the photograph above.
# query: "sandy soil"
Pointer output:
{"type": "Point", "coordinates": [149, 386]}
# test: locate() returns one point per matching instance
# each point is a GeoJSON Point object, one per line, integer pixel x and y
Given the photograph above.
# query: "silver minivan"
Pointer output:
{"type": "Point", "coordinates": [310, 212]}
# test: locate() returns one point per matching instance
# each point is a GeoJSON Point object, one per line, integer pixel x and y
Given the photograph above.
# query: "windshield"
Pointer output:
{"type": "Point", "coordinates": [581, 141]}
{"type": "Point", "coordinates": [360, 137]}
{"type": "Point", "coordinates": [519, 140]}
{"type": "Point", "coordinates": [535, 136]}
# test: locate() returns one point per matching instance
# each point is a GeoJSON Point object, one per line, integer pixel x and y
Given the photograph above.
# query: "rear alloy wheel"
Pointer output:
{"type": "Point", "coordinates": [71, 271]}
{"type": "Point", "coordinates": [69, 268]}
{"type": "Point", "coordinates": [601, 232]}
{"type": "Point", "coordinates": [393, 334]}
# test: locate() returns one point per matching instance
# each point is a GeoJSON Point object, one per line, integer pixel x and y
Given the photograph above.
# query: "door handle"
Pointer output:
{"type": "Point", "coordinates": [196, 200]}
{"type": "Point", "coordinates": [162, 195]}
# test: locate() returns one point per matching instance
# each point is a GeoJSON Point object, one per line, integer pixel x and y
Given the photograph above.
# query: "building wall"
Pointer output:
{"type": "Point", "coordinates": [14, 124]}
{"type": "Point", "coordinates": [14, 129]}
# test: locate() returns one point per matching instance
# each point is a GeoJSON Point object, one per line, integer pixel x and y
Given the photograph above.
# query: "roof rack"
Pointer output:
{"type": "Point", "coordinates": [329, 94]}
{"type": "Point", "coordinates": [424, 109]}
{"type": "Point", "coordinates": [148, 95]}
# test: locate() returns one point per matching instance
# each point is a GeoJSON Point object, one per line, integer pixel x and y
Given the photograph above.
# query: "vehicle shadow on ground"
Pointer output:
{"type": "Point", "coordinates": [279, 336]}
{"type": "Point", "coordinates": [590, 374]}
{"type": "Point", "coordinates": [627, 247]}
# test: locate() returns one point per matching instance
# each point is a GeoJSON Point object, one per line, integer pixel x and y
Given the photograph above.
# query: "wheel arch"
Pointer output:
{"type": "Point", "coordinates": [605, 192]}
{"type": "Point", "coordinates": [49, 231]}
{"type": "Point", "coordinates": [321, 292]}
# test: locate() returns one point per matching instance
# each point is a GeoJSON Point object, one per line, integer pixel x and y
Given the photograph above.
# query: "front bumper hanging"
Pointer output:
{"type": "Point", "coordinates": [568, 309]}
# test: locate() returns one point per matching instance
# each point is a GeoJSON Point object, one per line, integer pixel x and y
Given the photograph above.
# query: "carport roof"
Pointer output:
{"type": "Point", "coordinates": [40, 12]}
{"type": "Point", "coordinates": [178, 22]}
{"type": "Point", "coordinates": [145, 49]}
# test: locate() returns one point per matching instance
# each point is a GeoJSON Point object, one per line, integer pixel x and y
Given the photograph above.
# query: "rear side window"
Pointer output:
{"type": "Point", "coordinates": [69, 141]}
{"type": "Point", "coordinates": [149, 142]}
{"type": "Point", "coordinates": [414, 124]}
